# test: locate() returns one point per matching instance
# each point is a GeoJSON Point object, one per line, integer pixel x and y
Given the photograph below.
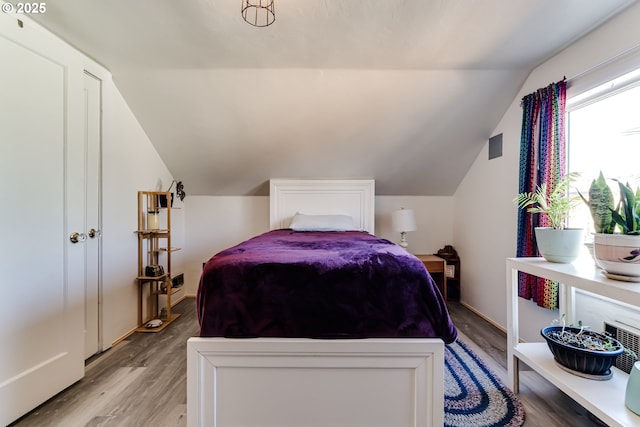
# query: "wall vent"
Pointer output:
{"type": "Point", "coordinates": [495, 146]}
{"type": "Point", "coordinates": [629, 337]}
{"type": "Point", "coordinates": [177, 280]}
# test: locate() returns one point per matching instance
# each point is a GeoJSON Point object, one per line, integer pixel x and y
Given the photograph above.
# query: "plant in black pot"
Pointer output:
{"type": "Point", "coordinates": [582, 351]}
{"type": "Point", "coordinates": [179, 192]}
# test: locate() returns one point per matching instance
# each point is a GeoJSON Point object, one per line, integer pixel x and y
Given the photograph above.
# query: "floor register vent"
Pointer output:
{"type": "Point", "coordinates": [630, 338]}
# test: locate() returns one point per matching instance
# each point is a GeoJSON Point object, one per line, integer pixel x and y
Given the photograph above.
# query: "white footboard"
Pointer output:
{"type": "Point", "coordinates": [302, 382]}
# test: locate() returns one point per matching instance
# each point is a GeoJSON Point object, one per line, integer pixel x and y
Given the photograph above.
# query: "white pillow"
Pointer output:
{"type": "Point", "coordinates": [302, 222]}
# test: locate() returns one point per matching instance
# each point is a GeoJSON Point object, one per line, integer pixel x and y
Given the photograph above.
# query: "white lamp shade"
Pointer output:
{"type": "Point", "coordinates": [403, 220]}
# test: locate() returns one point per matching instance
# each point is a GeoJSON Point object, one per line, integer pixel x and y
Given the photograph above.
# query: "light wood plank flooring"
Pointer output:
{"type": "Point", "coordinates": [544, 404]}
{"type": "Point", "coordinates": [142, 381]}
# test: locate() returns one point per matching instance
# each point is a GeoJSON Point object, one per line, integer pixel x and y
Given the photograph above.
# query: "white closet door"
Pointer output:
{"type": "Point", "coordinates": [92, 208]}
{"type": "Point", "coordinates": [41, 306]}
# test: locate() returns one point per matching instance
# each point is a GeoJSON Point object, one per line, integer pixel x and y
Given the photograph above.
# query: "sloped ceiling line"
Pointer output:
{"type": "Point", "coordinates": [403, 91]}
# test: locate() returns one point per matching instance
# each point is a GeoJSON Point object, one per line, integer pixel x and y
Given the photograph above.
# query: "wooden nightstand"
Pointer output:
{"type": "Point", "coordinates": [452, 271]}
{"type": "Point", "coordinates": [436, 268]}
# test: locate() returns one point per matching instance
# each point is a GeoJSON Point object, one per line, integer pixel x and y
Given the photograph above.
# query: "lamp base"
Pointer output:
{"type": "Point", "coordinates": [403, 240]}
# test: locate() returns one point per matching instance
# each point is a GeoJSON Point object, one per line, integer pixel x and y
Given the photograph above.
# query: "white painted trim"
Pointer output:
{"type": "Point", "coordinates": [354, 197]}
{"type": "Point", "coordinates": [330, 383]}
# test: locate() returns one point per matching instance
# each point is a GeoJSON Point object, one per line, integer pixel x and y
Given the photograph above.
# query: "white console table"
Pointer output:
{"type": "Point", "coordinates": [604, 399]}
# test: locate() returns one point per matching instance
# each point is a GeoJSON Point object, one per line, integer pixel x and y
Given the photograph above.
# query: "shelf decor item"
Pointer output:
{"type": "Point", "coordinates": [632, 393]}
{"type": "Point", "coordinates": [556, 243]}
{"type": "Point", "coordinates": [162, 198]}
{"type": "Point", "coordinates": [583, 351]}
{"type": "Point", "coordinates": [616, 240]}
{"type": "Point", "coordinates": [154, 270]}
{"type": "Point", "coordinates": [153, 219]}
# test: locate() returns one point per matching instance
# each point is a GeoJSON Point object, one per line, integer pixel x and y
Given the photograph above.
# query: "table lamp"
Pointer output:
{"type": "Point", "coordinates": [403, 221]}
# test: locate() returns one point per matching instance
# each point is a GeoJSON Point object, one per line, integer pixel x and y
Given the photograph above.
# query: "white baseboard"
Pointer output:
{"type": "Point", "coordinates": [492, 322]}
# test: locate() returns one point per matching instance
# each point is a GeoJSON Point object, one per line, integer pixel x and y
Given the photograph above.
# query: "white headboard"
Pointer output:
{"type": "Point", "coordinates": [353, 197]}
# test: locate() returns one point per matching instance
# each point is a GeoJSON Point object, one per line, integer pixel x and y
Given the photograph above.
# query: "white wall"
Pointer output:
{"type": "Point", "coordinates": [434, 221]}
{"type": "Point", "coordinates": [130, 163]}
{"type": "Point", "coordinates": [214, 223]}
{"type": "Point", "coordinates": [485, 218]}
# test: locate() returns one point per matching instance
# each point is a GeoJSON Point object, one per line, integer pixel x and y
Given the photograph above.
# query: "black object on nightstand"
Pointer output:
{"type": "Point", "coordinates": [452, 271]}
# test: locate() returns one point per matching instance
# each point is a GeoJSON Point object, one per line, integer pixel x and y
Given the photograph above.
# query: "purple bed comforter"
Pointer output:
{"type": "Point", "coordinates": [320, 285]}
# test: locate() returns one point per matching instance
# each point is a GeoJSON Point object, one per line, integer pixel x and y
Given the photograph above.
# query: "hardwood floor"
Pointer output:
{"type": "Point", "coordinates": [139, 382]}
{"type": "Point", "coordinates": [544, 404]}
{"type": "Point", "coordinates": [142, 381]}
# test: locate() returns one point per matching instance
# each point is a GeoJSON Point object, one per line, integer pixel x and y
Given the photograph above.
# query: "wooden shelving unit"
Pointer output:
{"type": "Point", "coordinates": [604, 399]}
{"type": "Point", "coordinates": [154, 249]}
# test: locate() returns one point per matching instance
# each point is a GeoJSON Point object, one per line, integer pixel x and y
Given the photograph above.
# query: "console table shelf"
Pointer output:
{"type": "Point", "coordinates": [605, 399]}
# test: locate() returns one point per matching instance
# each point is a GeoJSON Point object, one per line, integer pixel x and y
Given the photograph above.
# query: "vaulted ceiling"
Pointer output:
{"type": "Point", "coordinates": [403, 91]}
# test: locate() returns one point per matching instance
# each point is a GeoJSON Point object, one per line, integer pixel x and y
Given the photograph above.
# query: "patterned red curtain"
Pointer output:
{"type": "Point", "coordinates": [542, 159]}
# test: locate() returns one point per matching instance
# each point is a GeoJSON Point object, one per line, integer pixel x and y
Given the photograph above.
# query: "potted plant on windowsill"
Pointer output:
{"type": "Point", "coordinates": [617, 230]}
{"type": "Point", "coordinates": [556, 243]}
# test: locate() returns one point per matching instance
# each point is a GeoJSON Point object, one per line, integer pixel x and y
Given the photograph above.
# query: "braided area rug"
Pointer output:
{"type": "Point", "coordinates": [474, 395]}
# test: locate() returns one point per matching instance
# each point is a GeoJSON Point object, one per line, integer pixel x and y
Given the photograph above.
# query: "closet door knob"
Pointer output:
{"type": "Point", "coordinates": [76, 237]}
{"type": "Point", "coordinates": [94, 233]}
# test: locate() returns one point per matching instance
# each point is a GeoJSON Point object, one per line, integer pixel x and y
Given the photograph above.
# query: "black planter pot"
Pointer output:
{"type": "Point", "coordinates": [591, 362]}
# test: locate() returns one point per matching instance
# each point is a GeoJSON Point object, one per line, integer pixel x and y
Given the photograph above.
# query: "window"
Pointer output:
{"type": "Point", "coordinates": [603, 134]}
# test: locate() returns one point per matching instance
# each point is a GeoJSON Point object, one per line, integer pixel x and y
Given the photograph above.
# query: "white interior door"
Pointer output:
{"type": "Point", "coordinates": [92, 208]}
{"type": "Point", "coordinates": [41, 305]}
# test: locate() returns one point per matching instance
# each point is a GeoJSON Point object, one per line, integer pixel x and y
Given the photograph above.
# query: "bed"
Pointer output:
{"type": "Point", "coordinates": [339, 341]}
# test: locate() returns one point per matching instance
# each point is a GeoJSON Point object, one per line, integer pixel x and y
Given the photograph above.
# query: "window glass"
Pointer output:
{"type": "Point", "coordinates": [603, 134]}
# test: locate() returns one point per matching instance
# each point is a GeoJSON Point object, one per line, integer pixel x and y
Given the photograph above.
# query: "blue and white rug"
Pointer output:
{"type": "Point", "coordinates": [474, 395]}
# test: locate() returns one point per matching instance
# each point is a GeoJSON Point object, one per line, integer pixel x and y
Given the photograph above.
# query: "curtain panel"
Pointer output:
{"type": "Point", "coordinates": [542, 159]}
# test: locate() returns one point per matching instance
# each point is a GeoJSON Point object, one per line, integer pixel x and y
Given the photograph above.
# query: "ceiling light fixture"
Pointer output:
{"type": "Point", "coordinates": [259, 13]}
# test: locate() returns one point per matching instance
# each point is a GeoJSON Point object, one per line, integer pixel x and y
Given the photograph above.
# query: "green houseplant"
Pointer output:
{"type": "Point", "coordinates": [555, 204]}
{"type": "Point", "coordinates": [627, 216]}
{"type": "Point", "coordinates": [600, 205]}
{"type": "Point", "coordinates": [556, 243]}
{"type": "Point", "coordinates": [617, 232]}
{"type": "Point", "coordinates": [582, 350]}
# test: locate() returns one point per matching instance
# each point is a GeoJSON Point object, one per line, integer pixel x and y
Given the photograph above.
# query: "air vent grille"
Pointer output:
{"type": "Point", "coordinates": [177, 280]}
{"type": "Point", "coordinates": [629, 338]}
